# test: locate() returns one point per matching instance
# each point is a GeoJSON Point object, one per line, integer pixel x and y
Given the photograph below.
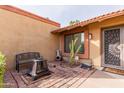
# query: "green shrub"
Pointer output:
{"type": "Point", "coordinates": [2, 68]}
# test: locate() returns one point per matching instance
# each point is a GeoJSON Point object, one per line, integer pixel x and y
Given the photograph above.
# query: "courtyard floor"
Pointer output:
{"type": "Point", "coordinates": [66, 77]}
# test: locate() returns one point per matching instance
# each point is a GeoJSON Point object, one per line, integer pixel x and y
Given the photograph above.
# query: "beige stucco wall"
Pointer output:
{"type": "Point", "coordinates": [23, 34]}
{"type": "Point", "coordinates": [95, 29]}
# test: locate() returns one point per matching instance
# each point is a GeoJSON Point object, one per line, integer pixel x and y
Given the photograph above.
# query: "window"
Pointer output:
{"type": "Point", "coordinates": [69, 38]}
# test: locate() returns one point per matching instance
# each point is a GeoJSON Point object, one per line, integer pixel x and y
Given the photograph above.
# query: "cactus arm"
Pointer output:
{"type": "Point", "coordinates": [75, 41]}
{"type": "Point", "coordinates": [71, 47]}
{"type": "Point", "coordinates": [77, 50]}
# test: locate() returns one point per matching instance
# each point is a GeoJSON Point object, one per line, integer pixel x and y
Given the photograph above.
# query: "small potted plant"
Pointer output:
{"type": "Point", "coordinates": [73, 52]}
{"type": "Point", "coordinates": [2, 68]}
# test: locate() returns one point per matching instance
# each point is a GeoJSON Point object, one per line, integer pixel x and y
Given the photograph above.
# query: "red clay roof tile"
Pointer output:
{"type": "Point", "coordinates": [89, 21]}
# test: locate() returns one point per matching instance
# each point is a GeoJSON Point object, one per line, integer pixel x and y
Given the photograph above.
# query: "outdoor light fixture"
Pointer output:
{"type": "Point", "coordinates": [90, 36]}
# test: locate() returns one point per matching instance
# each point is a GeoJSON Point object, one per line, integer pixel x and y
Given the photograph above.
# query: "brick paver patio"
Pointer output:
{"type": "Point", "coordinates": [66, 78]}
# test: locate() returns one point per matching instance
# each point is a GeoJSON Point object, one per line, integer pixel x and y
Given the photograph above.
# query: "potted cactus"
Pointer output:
{"type": "Point", "coordinates": [2, 68]}
{"type": "Point", "coordinates": [73, 52]}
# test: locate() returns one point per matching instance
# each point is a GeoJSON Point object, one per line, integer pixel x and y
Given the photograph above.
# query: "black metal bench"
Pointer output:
{"type": "Point", "coordinates": [39, 64]}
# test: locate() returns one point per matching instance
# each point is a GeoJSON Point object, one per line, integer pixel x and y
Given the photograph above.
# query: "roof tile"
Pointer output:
{"type": "Point", "coordinates": [89, 21]}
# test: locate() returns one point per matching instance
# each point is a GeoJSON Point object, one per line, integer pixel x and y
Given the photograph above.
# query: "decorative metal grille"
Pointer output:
{"type": "Point", "coordinates": [112, 47]}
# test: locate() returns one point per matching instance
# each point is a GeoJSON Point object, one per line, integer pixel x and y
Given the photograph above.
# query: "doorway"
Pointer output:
{"type": "Point", "coordinates": [113, 48]}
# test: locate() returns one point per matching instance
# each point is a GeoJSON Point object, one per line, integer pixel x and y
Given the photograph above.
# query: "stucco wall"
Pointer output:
{"type": "Point", "coordinates": [95, 43]}
{"type": "Point", "coordinates": [23, 34]}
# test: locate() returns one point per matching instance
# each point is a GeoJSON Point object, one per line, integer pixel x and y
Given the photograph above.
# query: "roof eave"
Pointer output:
{"type": "Point", "coordinates": [93, 20]}
{"type": "Point", "coordinates": [28, 14]}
